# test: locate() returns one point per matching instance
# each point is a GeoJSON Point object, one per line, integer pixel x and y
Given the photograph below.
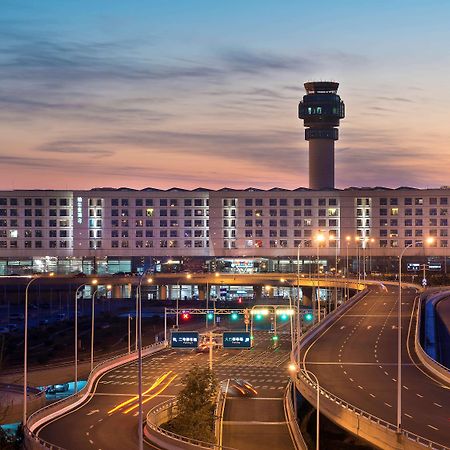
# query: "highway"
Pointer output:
{"type": "Point", "coordinates": [108, 421]}
{"type": "Point", "coordinates": [356, 359]}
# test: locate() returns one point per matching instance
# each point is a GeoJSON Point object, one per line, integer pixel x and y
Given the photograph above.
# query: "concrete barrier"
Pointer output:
{"type": "Point", "coordinates": [431, 364]}
{"type": "Point", "coordinates": [168, 440]}
{"type": "Point", "coordinates": [291, 418]}
{"type": "Point", "coordinates": [42, 416]}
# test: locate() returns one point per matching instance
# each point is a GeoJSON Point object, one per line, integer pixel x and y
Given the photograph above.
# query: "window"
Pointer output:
{"type": "Point", "coordinates": [322, 202]}
{"type": "Point", "coordinates": [248, 202]}
{"type": "Point", "coordinates": [163, 212]}
{"type": "Point", "coordinates": [173, 202]}
{"type": "Point", "coordinates": [258, 202]}
{"type": "Point", "coordinates": [148, 202]}
{"type": "Point", "coordinates": [163, 202]}
{"type": "Point", "coordinates": [273, 202]}
{"type": "Point", "coordinates": [297, 202]}
{"type": "Point", "coordinates": [187, 202]}
{"type": "Point", "coordinates": [394, 211]}
{"type": "Point", "coordinates": [163, 223]}
{"type": "Point", "coordinates": [283, 202]}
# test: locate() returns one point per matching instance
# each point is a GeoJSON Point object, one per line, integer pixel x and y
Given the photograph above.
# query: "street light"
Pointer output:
{"type": "Point", "coordinates": [188, 276]}
{"type": "Point", "coordinates": [139, 349]}
{"type": "Point", "coordinates": [335, 240]}
{"type": "Point", "coordinates": [399, 342]}
{"type": "Point", "coordinates": [25, 347]}
{"type": "Point", "coordinates": [357, 241]}
{"type": "Point", "coordinates": [429, 241]}
{"type": "Point", "coordinates": [319, 238]}
{"type": "Point", "coordinates": [294, 368]}
{"type": "Point", "coordinates": [93, 282]}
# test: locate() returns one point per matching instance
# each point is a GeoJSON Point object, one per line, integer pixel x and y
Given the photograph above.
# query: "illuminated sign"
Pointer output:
{"type": "Point", "coordinates": [236, 339]}
{"type": "Point", "coordinates": [79, 209]}
{"type": "Point", "coordinates": [184, 339]}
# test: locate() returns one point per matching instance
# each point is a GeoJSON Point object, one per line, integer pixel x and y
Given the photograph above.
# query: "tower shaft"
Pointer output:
{"type": "Point", "coordinates": [321, 164]}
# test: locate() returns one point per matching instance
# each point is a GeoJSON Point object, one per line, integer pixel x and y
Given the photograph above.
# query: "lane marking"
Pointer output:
{"type": "Point", "coordinates": [407, 415]}
{"type": "Point", "coordinates": [437, 404]}
{"type": "Point", "coordinates": [387, 404]}
{"type": "Point", "coordinates": [434, 428]}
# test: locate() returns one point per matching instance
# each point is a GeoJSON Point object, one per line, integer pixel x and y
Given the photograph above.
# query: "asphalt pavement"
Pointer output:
{"type": "Point", "coordinates": [356, 359]}
{"type": "Point", "coordinates": [108, 420]}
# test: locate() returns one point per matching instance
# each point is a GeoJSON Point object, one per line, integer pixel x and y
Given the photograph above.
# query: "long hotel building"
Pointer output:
{"type": "Point", "coordinates": [109, 230]}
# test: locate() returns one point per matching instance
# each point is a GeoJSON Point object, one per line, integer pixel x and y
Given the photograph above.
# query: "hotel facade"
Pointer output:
{"type": "Point", "coordinates": [109, 230]}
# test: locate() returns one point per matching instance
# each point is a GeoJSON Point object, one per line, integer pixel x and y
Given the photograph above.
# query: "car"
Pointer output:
{"type": "Point", "coordinates": [80, 275]}
{"type": "Point", "coordinates": [17, 317]}
{"type": "Point", "coordinates": [241, 388]}
{"type": "Point", "coordinates": [60, 316]}
{"type": "Point", "coordinates": [4, 330]}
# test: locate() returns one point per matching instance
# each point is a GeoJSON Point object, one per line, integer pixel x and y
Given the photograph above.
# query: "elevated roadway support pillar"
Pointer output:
{"type": "Point", "coordinates": [162, 292]}
{"type": "Point", "coordinates": [202, 291]}
{"type": "Point", "coordinates": [307, 295]}
{"type": "Point", "coordinates": [117, 291]}
{"type": "Point", "coordinates": [257, 290]}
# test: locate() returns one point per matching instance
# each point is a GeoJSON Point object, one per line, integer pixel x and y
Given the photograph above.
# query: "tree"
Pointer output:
{"type": "Point", "coordinates": [195, 418]}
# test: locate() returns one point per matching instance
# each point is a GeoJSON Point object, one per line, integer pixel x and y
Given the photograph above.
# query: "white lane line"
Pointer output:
{"type": "Point", "coordinates": [419, 395]}
{"type": "Point", "coordinates": [434, 428]}
{"type": "Point", "coordinates": [387, 404]}
{"type": "Point", "coordinates": [91, 442]}
{"type": "Point", "coordinates": [405, 387]}
{"type": "Point", "coordinates": [87, 433]}
{"type": "Point", "coordinates": [360, 387]}
{"type": "Point", "coordinates": [437, 404]}
{"type": "Point", "coordinates": [351, 379]}
{"type": "Point", "coordinates": [386, 373]}
{"type": "Point", "coordinates": [407, 415]}
{"type": "Point", "coordinates": [93, 412]}
{"type": "Point", "coordinates": [373, 396]}
{"type": "Point", "coordinates": [92, 426]}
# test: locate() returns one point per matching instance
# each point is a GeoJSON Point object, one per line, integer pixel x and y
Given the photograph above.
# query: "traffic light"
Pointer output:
{"type": "Point", "coordinates": [239, 299]}
{"type": "Point", "coordinates": [275, 338]}
{"type": "Point", "coordinates": [258, 316]}
{"type": "Point", "coordinates": [283, 316]}
{"type": "Point", "coordinates": [185, 316]}
{"type": "Point", "coordinates": [308, 317]}
{"type": "Point", "coordinates": [234, 316]}
{"type": "Point", "coordinates": [210, 316]}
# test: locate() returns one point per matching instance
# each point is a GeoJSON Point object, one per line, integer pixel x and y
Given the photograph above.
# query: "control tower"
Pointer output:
{"type": "Point", "coordinates": [321, 109]}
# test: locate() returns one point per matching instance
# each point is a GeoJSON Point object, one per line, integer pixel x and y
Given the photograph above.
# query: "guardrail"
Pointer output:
{"type": "Point", "coordinates": [439, 370]}
{"type": "Point", "coordinates": [342, 406]}
{"type": "Point", "coordinates": [43, 415]}
{"type": "Point", "coordinates": [356, 420]}
{"type": "Point", "coordinates": [167, 439]}
{"type": "Point", "coordinates": [291, 416]}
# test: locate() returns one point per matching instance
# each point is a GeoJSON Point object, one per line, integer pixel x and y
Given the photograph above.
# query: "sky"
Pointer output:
{"type": "Point", "coordinates": [189, 93]}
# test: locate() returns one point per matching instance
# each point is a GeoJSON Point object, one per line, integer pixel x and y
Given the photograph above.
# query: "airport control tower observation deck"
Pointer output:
{"type": "Point", "coordinates": [321, 110]}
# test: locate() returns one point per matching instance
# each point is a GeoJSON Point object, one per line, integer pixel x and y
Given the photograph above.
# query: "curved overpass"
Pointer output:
{"type": "Point", "coordinates": [355, 359]}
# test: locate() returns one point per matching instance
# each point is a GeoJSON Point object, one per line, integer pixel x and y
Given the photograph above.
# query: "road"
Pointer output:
{"type": "Point", "coordinates": [356, 359]}
{"type": "Point", "coordinates": [101, 423]}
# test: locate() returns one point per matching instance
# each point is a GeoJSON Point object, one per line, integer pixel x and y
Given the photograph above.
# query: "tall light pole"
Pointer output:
{"type": "Point", "coordinates": [399, 342]}
{"type": "Point", "coordinates": [335, 240]}
{"type": "Point", "coordinates": [308, 373]}
{"type": "Point", "coordinates": [357, 241]}
{"type": "Point", "coordinates": [347, 241]}
{"type": "Point", "coordinates": [139, 339]}
{"type": "Point", "coordinates": [25, 348]}
{"type": "Point", "coordinates": [188, 276]}
{"type": "Point", "coordinates": [319, 238]}
{"type": "Point", "coordinates": [92, 327]}
{"type": "Point", "coordinates": [93, 282]}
